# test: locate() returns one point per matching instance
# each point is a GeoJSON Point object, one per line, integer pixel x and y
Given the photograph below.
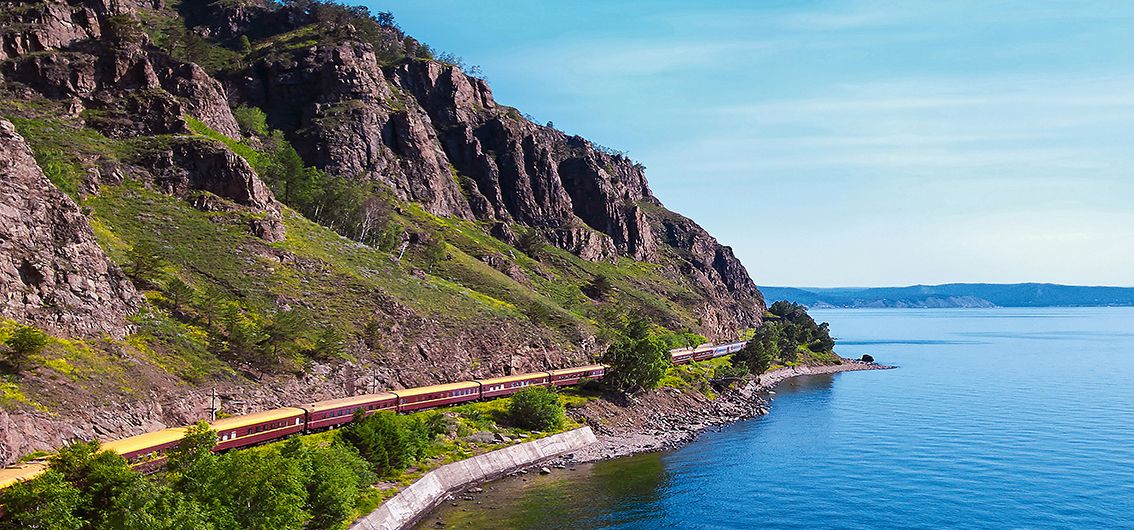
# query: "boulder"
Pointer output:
{"type": "Point", "coordinates": [482, 437]}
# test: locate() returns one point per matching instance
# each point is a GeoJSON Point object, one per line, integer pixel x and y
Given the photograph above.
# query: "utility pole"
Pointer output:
{"type": "Point", "coordinates": [213, 405]}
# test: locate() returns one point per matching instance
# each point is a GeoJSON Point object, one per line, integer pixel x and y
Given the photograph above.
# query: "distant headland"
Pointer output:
{"type": "Point", "coordinates": [955, 295]}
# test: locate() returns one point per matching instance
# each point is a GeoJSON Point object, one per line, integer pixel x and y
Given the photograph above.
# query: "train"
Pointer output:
{"type": "Point", "coordinates": [146, 452]}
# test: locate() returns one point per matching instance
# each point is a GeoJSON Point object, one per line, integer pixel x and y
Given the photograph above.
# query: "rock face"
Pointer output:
{"type": "Point", "coordinates": [436, 136]}
{"type": "Point", "coordinates": [45, 26]}
{"type": "Point", "coordinates": [192, 164]}
{"type": "Point", "coordinates": [422, 129]}
{"type": "Point", "coordinates": [346, 118]}
{"type": "Point", "coordinates": [121, 86]}
{"type": "Point", "coordinates": [52, 272]}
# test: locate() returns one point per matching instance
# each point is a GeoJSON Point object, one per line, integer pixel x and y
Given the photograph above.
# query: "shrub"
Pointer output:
{"type": "Point", "coordinates": [336, 476]}
{"type": "Point", "coordinates": [24, 342]}
{"type": "Point", "coordinates": [64, 173]}
{"type": "Point", "coordinates": [762, 349]}
{"type": "Point", "coordinates": [390, 443]}
{"type": "Point", "coordinates": [434, 252]}
{"type": "Point", "coordinates": [638, 361]}
{"type": "Point", "coordinates": [252, 120]}
{"type": "Point", "coordinates": [598, 288]}
{"type": "Point", "coordinates": [329, 343]}
{"type": "Point", "coordinates": [731, 370]}
{"type": "Point", "coordinates": [536, 408]}
{"type": "Point", "coordinates": [531, 242]}
{"type": "Point", "coordinates": [180, 294]}
{"type": "Point", "coordinates": [684, 339]}
{"type": "Point", "coordinates": [145, 264]}
{"type": "Point", "coordinates": [47, 501]}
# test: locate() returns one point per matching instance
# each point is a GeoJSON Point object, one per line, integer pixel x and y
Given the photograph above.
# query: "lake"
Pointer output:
{"type": "Point", "coordinates": [996, 418]}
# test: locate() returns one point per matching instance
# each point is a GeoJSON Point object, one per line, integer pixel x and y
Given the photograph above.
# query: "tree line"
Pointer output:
{"type": "Point", "coordinates": [639, 356]}
{"type": "Point", "coordinates": [296, 484]}
{"type": "Point", "coordinates": [787, 334]}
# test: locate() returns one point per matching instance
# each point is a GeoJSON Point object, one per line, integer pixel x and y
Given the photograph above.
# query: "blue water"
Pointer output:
{"type": "Point", "coordinates": [996, 418]}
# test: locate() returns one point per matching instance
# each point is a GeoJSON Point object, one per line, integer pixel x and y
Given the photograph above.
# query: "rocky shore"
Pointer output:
{"type": "Point", "coordinates": [667, 418]}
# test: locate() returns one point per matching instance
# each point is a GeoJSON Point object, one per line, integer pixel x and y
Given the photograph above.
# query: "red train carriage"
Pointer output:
{"type": "Point", "coordinates": [506, 386]}
{"type": "Point", "coordinates": [330, 413]}
{"type": "Point", "coordinates": [574, 376]}
{"type": "Point", "coordinates": [258, 427]}
{"type": "Point", "coordinates": [681, 356]}
{"type": "Point", "coordinates": [147, 451]}
{"type": "Point", "coordinates": [427, 397]}
{"type": "Point", "coordinates": [703, 352]}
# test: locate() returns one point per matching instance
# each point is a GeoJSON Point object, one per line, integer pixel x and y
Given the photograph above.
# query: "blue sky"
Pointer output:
{"type": "Point", "coordinates": [843, 143]}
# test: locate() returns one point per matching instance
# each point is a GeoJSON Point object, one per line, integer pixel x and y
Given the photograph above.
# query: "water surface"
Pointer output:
{"type": "Point", "coordinates": [997, 418]}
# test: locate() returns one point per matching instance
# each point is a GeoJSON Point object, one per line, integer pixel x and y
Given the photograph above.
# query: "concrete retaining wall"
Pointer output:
{"type": "Point", "coordinates": [419, 498]}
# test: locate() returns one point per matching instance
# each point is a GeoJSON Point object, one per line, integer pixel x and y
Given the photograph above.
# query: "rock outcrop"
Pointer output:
{"type": "Point", "coordinates": [437, 136]}
{"type": "Point", "coordinates": [52, 272]}
{"type": "Point", "coordinates": [35, 27]}
{"type": "Point", "coordinates": [194, 164]}
{"type": "Point", "coordinates": [346, 118]}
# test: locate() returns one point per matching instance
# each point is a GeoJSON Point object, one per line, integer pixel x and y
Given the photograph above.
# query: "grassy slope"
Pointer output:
{"type": "Point", "coordinates": [339, 280]}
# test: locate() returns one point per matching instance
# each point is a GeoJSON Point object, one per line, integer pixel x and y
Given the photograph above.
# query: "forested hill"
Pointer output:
{"type": "Point", "coordinates": [956, 295]}
{"type": "Point", "coordinates": [296, 200]}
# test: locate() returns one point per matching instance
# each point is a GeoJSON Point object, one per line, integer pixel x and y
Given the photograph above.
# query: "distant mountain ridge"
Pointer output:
{"type": "Point", "coordinates": [956, 295]}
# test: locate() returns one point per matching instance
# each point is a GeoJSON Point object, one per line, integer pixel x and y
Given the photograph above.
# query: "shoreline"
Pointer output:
{"type": "Point", "coordinates": [664, 419]}
{"type": "Point", "coordinates": [689, 415]}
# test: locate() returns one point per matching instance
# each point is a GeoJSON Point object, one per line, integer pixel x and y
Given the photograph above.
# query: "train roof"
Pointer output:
{"type": "Point", "coordinates": [256, 418]}
{"type": "Point", "coordinates": [511, 378]}
{"type": "Point", "coordinates": [435, 388]}
{"type": "Point", "coordinates": [586, 368]}
{"type": "Point", "coordinates": [145, 441]}
{"type": "Point", "coordinates": [347, 401]}
{"type": "Point", "coordinates": [19, 472]}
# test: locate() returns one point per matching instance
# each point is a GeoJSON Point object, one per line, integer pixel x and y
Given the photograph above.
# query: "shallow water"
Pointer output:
{"type": "Point", "coordinates": [997, 418]}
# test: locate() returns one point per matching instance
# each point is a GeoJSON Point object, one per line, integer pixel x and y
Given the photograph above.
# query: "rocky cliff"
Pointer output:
{"type": "Point", "coordinates": [438, 137]}
{"type": "Point", "coordinates": [52, 272]}
{"type": "Point", "coordinates": [128, 140]}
